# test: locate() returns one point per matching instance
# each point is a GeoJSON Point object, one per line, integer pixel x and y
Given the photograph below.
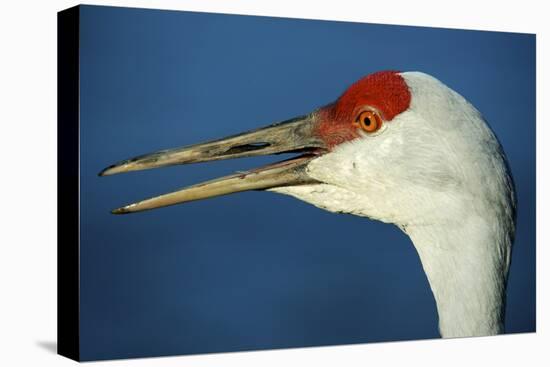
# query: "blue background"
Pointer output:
{"type": "Point", "coordinates": [260, 270]}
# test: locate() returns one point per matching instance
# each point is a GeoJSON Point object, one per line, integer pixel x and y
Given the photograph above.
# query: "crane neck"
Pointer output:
{"type": "Point", "coordinates": [466, 265]}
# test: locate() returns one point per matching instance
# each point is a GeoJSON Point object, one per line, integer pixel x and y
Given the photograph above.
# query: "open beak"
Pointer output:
{"type": "Point", "coordinates": [292, 136]}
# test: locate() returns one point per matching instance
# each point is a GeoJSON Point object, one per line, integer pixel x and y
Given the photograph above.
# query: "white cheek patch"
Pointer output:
{"type": "Point", "coordinates": [328, 197]}
{"type": "Point", "coordinates": [386, 145]}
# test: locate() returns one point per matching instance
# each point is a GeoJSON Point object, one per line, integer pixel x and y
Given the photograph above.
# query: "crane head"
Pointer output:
{"type": "Point", "coordinates": [394, 147]}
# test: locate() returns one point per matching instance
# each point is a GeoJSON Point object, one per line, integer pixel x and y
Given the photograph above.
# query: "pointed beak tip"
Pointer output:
{"type": "Point", "coordinates": [122, 210]}
{"type": "Point", "coordinates": [114, 169]}
{"type": "Point", "coordinates": [106, 171]}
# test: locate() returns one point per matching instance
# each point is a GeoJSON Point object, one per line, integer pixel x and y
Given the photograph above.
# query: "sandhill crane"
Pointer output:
{"type": "Point", "coordinates": [400, 148]}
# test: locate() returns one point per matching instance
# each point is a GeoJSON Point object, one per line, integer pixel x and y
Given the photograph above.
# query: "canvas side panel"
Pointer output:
{"type": "Point", "coordinates": [68, 215]}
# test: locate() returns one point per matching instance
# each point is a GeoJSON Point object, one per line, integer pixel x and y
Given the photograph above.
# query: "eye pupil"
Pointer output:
{"type": "Point", "coordinates": [369, 121]}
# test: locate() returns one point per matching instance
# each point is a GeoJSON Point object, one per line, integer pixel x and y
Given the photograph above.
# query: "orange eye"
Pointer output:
{"type": "Point", "coordinates": [368, 121]}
